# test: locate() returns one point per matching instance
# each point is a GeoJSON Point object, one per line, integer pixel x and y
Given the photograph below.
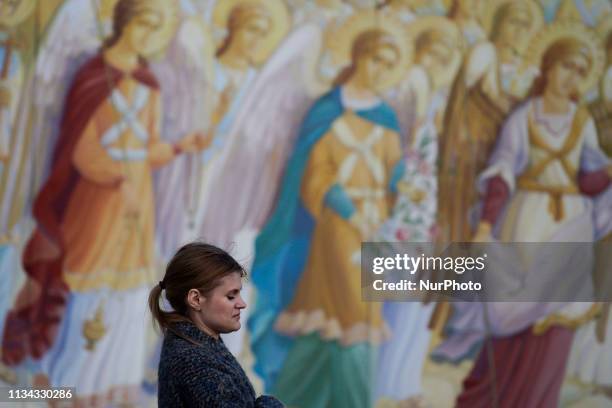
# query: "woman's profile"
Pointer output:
{"type": "Point", "coordinates": [202, 285]}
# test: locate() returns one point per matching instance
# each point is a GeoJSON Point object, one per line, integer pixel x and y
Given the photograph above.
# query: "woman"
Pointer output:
{"type": "Point", "coordinates": [202, 284]}
{"type": "Point", "coordinates": [339, 186]}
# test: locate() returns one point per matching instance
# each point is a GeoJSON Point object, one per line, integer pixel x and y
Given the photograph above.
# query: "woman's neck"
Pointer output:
{"type": "Point", "coordinates": [122, 57]}
{"type": "Point", "coordinates": [554, 104]}
{"type": "Point", "coordinates": [203, 327]}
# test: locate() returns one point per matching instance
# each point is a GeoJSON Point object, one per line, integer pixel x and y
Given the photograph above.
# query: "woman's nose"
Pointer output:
{"type": "Point", "coordinates": [241, 304]}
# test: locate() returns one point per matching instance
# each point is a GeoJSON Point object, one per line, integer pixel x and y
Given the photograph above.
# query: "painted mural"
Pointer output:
{"type": "Point", "coordinates": [288, 132]}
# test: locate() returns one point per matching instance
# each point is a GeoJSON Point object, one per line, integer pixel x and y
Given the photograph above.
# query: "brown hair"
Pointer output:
{"type": "Point", "coordinates": [195, 266]}
{"type": "Point", "coordinates": [555, 53]}
{"type": "Point", "coordinates": [365, 44]}
{"type": "Point", "coordinates": [238, 16]}
{"type": "Point", "coordinates": [124, 12]}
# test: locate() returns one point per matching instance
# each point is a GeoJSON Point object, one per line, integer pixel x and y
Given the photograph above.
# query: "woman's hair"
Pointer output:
{"type": "Point", "coordinates": [123, 13]}
{"type": "Point", "coordinates": [505, 12]}
{"type": "Point", "coordinates": [237, 18]}
{"type": "Point", "coordinates": [555, 53]}
{"type": "Point", "coordinates": [195, 266]}
{"type": "Point", "coordinates": [365, 44]}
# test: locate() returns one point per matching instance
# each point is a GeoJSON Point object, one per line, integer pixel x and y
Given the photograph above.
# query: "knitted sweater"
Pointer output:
{"type": "Point", "coordinates": [203, 375]}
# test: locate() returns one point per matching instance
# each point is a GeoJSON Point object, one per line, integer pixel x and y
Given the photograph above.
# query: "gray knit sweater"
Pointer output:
{"type": "Point", "coordinates": [203, 375]}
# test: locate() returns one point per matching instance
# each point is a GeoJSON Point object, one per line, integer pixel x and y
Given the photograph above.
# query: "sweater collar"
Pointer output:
{"type": "Point", "coordinates": [191, 331]}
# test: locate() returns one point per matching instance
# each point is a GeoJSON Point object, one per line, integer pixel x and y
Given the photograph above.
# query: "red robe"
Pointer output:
{"type": "Point", "coordinates": [31, 330]}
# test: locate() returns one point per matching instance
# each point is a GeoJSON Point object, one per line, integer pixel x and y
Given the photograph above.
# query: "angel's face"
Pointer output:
{"type": "Point", "coordinates": [248, 37]}
{"type": "Point", "coordinates": [140, 32]}
{"type": "Point", "coordinates": [514, 29]}
{"type": "Point", "coordinates": [377, 66]}
{"type": "Point", "coordinates": [435, 56]}
{"type": "Point", "coordinates": [564, 77]}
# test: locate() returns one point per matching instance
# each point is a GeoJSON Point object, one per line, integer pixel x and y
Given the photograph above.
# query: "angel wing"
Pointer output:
{"type": "Point", "coordinates": [244, 184]}
{"type": "Point", "coordinates": [410, 100]}
{"type": "Point", "coordinates": [65, 48]}
{"type": "Point", "coordinates": [185, 74]}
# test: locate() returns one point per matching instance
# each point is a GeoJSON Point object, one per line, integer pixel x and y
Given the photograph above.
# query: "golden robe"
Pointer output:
{"type": "Point", "coordinates": [105, 246]}
{"type": "Point", "coordinates": [328, 297]}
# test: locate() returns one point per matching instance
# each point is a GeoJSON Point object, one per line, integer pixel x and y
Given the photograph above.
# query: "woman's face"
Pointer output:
{"type": "Point", "coordinates": [248, 37]}
{"type": "Point", "coordinates": [220, 309]}
{"type": "Point", "coordinates": [377, 66]}
{"type": "Point", "coordinates": [563, 79]}
{"type": "Point", "coordinates": [140, 33]}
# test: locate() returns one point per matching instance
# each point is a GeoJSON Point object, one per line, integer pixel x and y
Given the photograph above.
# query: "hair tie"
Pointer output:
{"type": "Point", "coordinates": [162, 284]}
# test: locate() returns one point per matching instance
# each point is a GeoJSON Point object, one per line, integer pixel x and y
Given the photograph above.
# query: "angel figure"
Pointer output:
{"type": "Point", "coordinates": [312, 336]}
{"type": "Point", "coordinates": [209, 90]}
{"type": "Point", "coordinates": [547, 181]}
{"type": "Point", "coordinates": [488, 85]}
{"type": "Point", "coordinates": [90, 260]}
{"type": "Point", "coordinates": [437, 50]}
{"type": "Point", "coordinates": [592, 347]}
{"type": "Point", "coordinates": [243, 179]}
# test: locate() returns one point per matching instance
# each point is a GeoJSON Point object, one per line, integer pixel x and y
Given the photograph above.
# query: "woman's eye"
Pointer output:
{"type": "Point", "coordinates": [231, 297]}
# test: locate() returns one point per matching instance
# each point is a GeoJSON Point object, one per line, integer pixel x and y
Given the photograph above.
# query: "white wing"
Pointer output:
{"type": "Point", "coordinates": [243, 186]}
{"type": "Point", "coordinates": [72, 39]}
{"type": "Point", "coordinates": [184, 75]}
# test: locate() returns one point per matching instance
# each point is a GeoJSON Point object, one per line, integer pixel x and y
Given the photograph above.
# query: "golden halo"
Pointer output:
{"type": "Point", "coordinates": [568, 29]}
{"type": "Point", "coordinates": [22, 11]}
{"type": "Point", "coordinates": [278, 12]}
{"type": "Point", "coordinates": [604, 28]}
{"type": "Point", "coordinates": [450, 31]}
{"type": "Point", "coordinates": [340, 40]}
{"type": "Point", "coordinates": [493, 5]}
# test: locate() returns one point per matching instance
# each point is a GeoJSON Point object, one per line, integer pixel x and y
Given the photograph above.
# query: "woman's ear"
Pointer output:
{"type": "Point", "coordinates": [194, 299]}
